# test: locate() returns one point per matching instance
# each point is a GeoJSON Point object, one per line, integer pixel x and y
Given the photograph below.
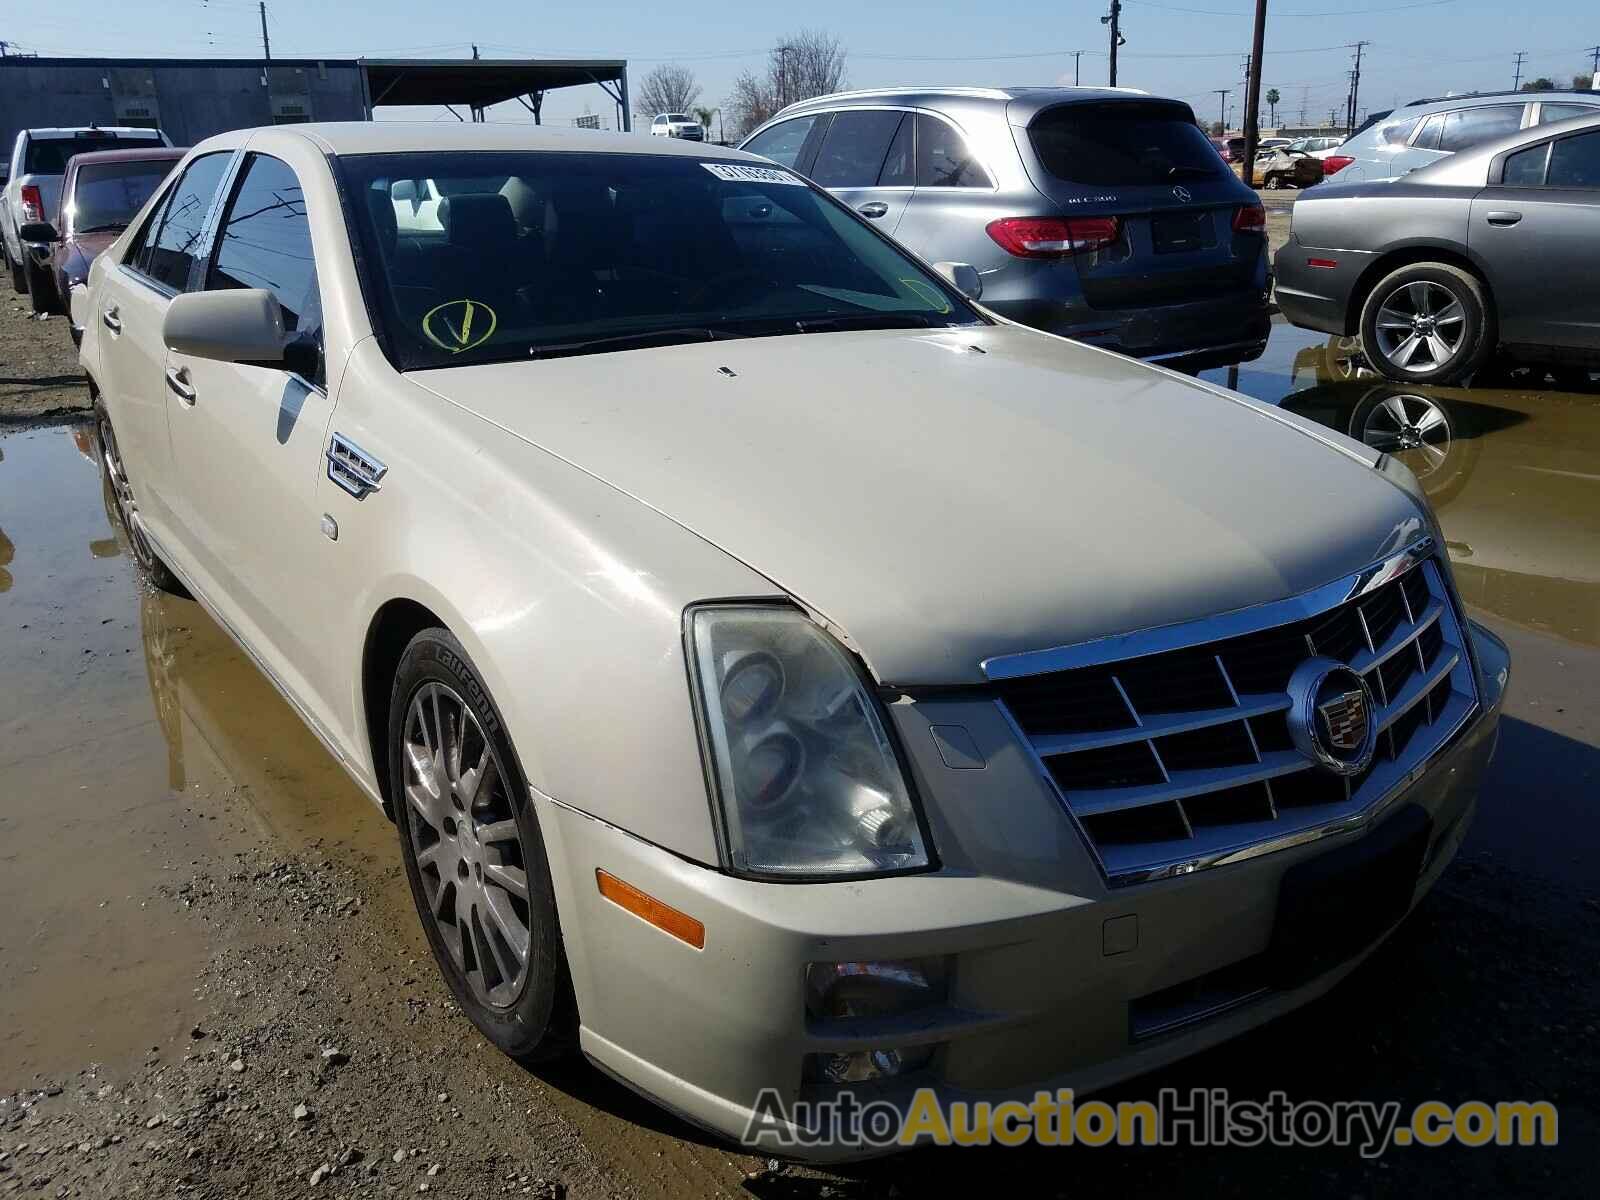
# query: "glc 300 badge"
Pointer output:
{"type": "Point", "coordinates": [1331, 716]}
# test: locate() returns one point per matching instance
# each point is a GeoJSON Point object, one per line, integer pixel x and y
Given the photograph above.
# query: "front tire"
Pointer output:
{"type": "Point", "coordinates": [127, 506]}
{"type": "Point", "coordinates": [1427, 323]}
{"type": "Point", "coordinates": [1274, 182]}
{"type": "Point", "coordinates": [473, 853]}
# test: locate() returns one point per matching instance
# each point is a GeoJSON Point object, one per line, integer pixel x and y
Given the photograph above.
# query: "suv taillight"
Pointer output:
{"type": "Point", "coordinates": [1336, 162]}
{"type": "Point", "coordinates": [32, 203]}
{"type": "Point", "coordinates": [1252, 218]}
{"type": "Point", "coordinates": [1054, 237]}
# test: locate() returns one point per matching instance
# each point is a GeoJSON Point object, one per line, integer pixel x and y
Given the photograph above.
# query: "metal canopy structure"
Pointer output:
{"type": "Point", "coordinates": [476, 83]}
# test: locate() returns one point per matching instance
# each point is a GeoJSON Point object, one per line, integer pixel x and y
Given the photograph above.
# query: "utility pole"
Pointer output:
{"type": "Point", "coordinates": [1222, 106]}
{"type": "Point", "coordinates": [1252, 94]}
{"type": "Point", "coordinates": [1078, 54]}
{"type": "Point", "coordinates": [1114, 19]}
{"type": "Point", "coordinates": [1516, 80]}
{"type": "Point", "coordinates": [266, 42]}
{"type": "Point", "coordinates": [783, 76]}
{"type": "Point", "coordinates": [1595, 81]}
{"type": "Point", "coordinates": [1355, 88]}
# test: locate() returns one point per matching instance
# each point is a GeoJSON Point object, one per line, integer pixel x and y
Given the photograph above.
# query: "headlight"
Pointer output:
{"type": "Point", "coordinates": [807, 779]}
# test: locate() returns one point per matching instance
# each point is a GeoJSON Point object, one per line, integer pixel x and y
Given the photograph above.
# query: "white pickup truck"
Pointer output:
{"type": "Point", "coordinates": [33, 190]}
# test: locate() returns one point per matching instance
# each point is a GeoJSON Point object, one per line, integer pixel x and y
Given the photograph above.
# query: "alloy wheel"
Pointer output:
{"type": "Point", "coordinates": [1420, 326]}
{"type": "Point", "coordinates": [122, 492]}
{"type": "Point", "coordinates": [465, 838]}
{"type": "Point", "coordinates": [1409, 422]}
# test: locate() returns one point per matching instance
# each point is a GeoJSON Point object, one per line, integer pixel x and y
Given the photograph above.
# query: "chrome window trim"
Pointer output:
{"type": "Point", "coordinates": [1138, 643]}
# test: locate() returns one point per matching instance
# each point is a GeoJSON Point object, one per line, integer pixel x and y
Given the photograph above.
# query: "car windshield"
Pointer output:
{"type": "Point", "coordinates": [1123, 143]}
{"type": "Point", "coordinates": [106, 195]}
{"type": "Point", "coordinates": [48, 156]}
{"type": "Point", "coordinates": [558, 253]}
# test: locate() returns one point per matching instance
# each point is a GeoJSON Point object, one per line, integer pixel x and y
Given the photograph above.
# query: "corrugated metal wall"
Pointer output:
{"type": "Point", "coordinates": [190, 100]}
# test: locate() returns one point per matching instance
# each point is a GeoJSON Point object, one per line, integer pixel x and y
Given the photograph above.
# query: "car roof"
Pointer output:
{"type": "Point", "coordinates": [399, 137]}
{"type": "Point", "coordinates": [1467, 166]}
{"type": "Point", "coordinates": [1029, 100]}
{"type": "Point", "coordinates": [1442, 103]}
{"type": "Point", "coordinates": [50, 132]}
{"type": "Point", "coordinates": [142, 154]}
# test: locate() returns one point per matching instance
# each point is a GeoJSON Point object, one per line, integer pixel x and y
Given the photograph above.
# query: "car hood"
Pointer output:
{"type": "Point", "coordinates": [944, 497]}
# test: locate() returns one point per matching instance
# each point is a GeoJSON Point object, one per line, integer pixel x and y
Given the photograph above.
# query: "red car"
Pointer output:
{"type": "Point", "coordinates": [101, 193]}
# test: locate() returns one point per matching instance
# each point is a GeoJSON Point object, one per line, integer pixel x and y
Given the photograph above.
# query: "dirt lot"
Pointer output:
{"type": "Point", "coordinates": [212, 982]}
{"type": "Point", "coordinates": [39, 375]}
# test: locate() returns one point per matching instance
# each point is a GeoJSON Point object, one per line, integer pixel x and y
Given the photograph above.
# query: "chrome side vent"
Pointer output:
{"type": "Point", "coordinates": [352, 468]}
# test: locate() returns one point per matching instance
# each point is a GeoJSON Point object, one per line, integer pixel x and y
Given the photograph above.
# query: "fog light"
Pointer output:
{"type": "Point", "coordinates": [863, 1066]}
{"type": "Point", "coordinates": [840, 991]}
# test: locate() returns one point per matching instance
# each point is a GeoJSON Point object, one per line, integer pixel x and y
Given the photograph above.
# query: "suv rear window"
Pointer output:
{"type": "Point", "coordinates": [48, 156]}
{"type": "Point", "coordinates": [1124, 142]}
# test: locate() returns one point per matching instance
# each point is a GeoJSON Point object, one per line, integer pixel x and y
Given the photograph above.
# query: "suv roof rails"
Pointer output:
{"type": "Point", "coordinates": [1508, 92]}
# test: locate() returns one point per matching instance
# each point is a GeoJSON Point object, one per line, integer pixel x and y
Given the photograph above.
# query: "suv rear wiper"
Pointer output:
{"type": "Point", "coordinates": [631, 341]}
{"type": "Point", "coordinates": [862, 321]}
{"type": "Point", "coordinates": [1178, 172]}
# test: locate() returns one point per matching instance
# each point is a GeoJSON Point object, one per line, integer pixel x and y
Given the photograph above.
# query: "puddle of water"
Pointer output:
{"type": "Point", "coordinates": [137, 745]}
{"type": "Point", "coordinates": [1512, 466]}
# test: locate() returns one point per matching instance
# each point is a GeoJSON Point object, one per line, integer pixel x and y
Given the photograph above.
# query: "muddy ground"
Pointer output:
{"type": "Point", "coordinates": [212, 982]}
{"type": "Point", "coordinates": [39, 375]}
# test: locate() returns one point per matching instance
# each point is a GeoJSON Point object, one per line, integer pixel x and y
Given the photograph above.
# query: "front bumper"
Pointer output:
{"type": "Point", "coordinates": [1043, 993]}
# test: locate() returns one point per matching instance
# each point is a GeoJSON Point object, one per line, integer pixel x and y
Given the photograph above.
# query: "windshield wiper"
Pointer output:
{"type": "Point", "coordinates": [631, 341]}
{"type": "Point", "coordinates": [871, 320]}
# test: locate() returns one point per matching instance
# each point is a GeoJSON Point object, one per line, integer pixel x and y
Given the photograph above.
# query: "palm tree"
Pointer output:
{"type": "Point", "coordinates": [1272, 105]}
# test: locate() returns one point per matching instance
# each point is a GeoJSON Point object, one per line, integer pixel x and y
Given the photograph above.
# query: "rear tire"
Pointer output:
{"type": "Point", "coordinates": [127, 506]}
{"type": "Point", "coordinates": [474, 855]}
{"type": "Point", "coordinates": [1428, 323]}
{"type": "Point", "coordinates": [1274, 182]}
{"type": "Point", "coordinates": [19, 281]}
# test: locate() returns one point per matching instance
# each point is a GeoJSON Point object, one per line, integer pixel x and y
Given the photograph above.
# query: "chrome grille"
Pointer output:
{"type": "Point", "coordinates": [1181, 758]}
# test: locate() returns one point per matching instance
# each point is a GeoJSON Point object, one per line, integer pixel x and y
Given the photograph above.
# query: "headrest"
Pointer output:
{"type": "Point", "coordinates": [478, 222]}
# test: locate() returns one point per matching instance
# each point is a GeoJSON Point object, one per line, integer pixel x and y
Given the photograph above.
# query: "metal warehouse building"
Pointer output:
{"type": "Point", "coordinates": [194, 98]}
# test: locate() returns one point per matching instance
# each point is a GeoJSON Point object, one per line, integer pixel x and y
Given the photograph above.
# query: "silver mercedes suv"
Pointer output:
{"type": "Point", "coordinates": [1104, 214]}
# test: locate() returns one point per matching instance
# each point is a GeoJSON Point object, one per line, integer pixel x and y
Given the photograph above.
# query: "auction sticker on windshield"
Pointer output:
{"type": "Point", "coordinates": [458, 325]}
{"type": "Point", "coordinates": [740, 173]}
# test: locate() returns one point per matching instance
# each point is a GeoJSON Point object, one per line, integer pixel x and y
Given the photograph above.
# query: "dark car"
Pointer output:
{"type": "Point", "coordinates": [1497, 247]}
{"type": "Point", "coordinates": [100, 194]}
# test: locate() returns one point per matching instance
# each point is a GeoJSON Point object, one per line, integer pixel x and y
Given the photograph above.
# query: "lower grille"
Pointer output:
{"type": "Point", "coordinates": [1182, 758]}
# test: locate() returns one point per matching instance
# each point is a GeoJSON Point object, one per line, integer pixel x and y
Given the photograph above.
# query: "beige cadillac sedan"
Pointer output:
{"type": "Point", "coordinates": [784, 676]}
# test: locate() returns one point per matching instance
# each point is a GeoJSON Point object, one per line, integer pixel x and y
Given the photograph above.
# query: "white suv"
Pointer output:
{"type": "Point", "coordinates": [677, 125]}
{"type": "Point", "coordinates": [38, 163]}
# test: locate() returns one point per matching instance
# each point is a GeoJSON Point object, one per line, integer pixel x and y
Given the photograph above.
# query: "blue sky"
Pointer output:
{"type": "Point", "coordinates": [1181, 48]}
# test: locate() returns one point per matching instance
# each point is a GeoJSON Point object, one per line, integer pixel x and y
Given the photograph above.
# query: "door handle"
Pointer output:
{"type": "Point", "coordinates": [1503, 219]}
{"type": "Point", "coordinates": [874, 209]}
{"type": "Point", "coordinates": [110, 319]}
{"type": "Point", "coordinates": [178, 381]}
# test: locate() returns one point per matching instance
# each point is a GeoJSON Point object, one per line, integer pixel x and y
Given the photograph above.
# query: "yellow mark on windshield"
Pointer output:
{"type": "Point", "coordinates": [930, 294]}
{"type": "Point", "coordinates": [458, 325]}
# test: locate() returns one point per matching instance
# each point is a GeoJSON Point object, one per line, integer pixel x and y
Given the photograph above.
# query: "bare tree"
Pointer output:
{"type": "Point", "coordinates": [669, 88]}
{"type": "Point", "coordinates": [810, 62]}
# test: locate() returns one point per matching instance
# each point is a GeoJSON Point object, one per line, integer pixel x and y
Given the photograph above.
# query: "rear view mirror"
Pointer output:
{"type": "Point", "coordinates": [243, 326]}
{"type": "Point", "coordinates": [38, 231]}
{"type": "Point", "coordinates": [963, 277]}
{"type": "Point", "coordinates": [403, 189]}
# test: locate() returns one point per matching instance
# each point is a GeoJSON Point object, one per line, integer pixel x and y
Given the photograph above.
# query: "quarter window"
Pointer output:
{"type": "Point", "coordinates": [1396, 133]}
{"type": "Point", "coordinates": [943, 159]}
{"type": "Point", "coordinates": [264, 241]}
{"type": "Point", "coordinates": [1575, 162]}
{"type": "Point", "coordinates": [853, 151]}
{"type": "Point", "coordinates": [1428, 139]}
{"type": "Point", "coordinates": [1525, 168]}
{"type": "Point", "coordinates": [1467, 127]}
{"type": "Point", "coordinates": [783, 143]}
{"type": "Point", "coordinates": [1551, 113]}
{"type": "Point", "coordinates": [177, 245]}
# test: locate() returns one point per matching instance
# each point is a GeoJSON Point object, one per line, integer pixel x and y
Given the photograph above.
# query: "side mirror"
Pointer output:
{"type": "Point", "coordinates": [963, 277]}
{"type": "Point", "coordinates": [38, 231]}
{"type": "Point", "coordinates": [243, 326]}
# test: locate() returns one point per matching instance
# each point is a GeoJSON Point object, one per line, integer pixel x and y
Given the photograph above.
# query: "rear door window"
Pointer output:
{"type": "Point", "coordinates": [1123, 143]}
{"type": "Point", "coordinates": [1468, 127]}
{"type": "Point", "coordinates": [1525, 168]}
{"type": "Point", "coordinates": [1549, 113]}
{"type": "Point", "coordinates": [178, 244]}
{"type": "Point", "coordinates": [900, 166]}
{"type": "Point", "coordinates": [1428, 139]}
{"type": "Point", "coordinates": [943, 158]}
{"type": "Point", "coordinates": [853, 151]}
{"type": "Point", "coordinates": [1575, 162]}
